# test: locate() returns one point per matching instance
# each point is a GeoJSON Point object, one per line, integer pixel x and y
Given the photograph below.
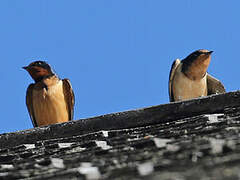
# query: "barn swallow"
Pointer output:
{"type": "Point", "coordinates": [49, 100]}
{"type": "Point", "coordinates": [189, 78]}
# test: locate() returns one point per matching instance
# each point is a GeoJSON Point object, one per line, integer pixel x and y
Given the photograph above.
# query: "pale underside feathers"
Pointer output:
{"type": "Point", "coordinates": [62, 98]}
{"type": "Point", "coordinates": [213, 85]}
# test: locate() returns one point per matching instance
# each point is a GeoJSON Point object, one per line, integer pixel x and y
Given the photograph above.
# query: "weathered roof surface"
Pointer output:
{"type": "Point", "coordinates": [196, 139]}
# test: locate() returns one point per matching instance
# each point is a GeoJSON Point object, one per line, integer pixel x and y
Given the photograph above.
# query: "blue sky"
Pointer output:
{"type": "Point", "coordinates": [116, 53]}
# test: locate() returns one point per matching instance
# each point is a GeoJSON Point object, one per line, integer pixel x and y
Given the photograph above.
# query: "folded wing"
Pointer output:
{"type": "Point", "coordinates": [30, 104]}
{"type": "Point", "coordinates": [214, 85]}
{"type": "Point", "coordinates": [171, 76]}
{"type": "Point", "coordinates": [69, 97]}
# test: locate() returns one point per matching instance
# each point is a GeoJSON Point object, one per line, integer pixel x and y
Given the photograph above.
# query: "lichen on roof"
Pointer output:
{"type": "Point", "coordinates": [196, 139]}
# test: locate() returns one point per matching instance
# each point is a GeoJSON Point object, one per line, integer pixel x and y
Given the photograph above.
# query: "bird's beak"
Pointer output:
{"type": "Point", "coordinates": [210, 52]}
{"type": "Point", "coordinates": [25, 67]}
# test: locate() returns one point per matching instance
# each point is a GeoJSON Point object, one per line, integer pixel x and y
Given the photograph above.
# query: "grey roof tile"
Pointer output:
{"type": "Point", "coordinates": [196, 139]}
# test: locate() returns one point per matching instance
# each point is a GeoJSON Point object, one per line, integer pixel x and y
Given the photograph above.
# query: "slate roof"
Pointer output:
{"type": "Point", "coordinates": [195, 139]}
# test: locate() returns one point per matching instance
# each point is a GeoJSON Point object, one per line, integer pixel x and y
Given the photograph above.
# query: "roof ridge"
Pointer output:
{"type": "Point", "coordinates": [127, 119]}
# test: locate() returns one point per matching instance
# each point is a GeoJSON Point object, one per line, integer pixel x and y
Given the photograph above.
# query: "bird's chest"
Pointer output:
{"type": "Point", "coordinates": [49, 105]}
{"type": "Point", "coordinates": [185, 88]}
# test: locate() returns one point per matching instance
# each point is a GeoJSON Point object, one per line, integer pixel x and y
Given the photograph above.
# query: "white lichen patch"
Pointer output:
{"type": "Point", "coordinates": [64, 145]}
{"type": "Point", "coordinates": [3, 174]}
{"type": "Point", "coordinates": [6, 166]}
{"type": "Point", "coordinates": [91, 173]}
{"type": "Point", "coordinates": [213, 118]}
{"type": "Point", "coordinates": [74, 150]}
{"type": "Point", "coordinates": [29, 146]}
{"type": "Point", "coordinates": [160, 142]}
{"type": "Point", "coordinates": [181, 122]}
{"type": "Point", "coordinates": [145, 168]}
{"type": "Point", "coordinates": [105, 133]}
{"type": "Point", "coordinates": [57, 163]}
{"type": "Point", "coordinates": [103, 145]}
{"type": "Point", "coordinates": [216, 145]}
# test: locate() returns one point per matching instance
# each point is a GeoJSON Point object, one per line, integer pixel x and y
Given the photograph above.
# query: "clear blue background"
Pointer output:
{"type": "Point", "coordinates": [117, 53]}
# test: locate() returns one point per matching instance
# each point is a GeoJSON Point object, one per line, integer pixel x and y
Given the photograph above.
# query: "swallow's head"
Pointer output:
{"type": "Point", "coordinates": [199, 55]}
{"type": "Point", "coordinates": [38, 70]}
{"type": "Point", "coordinates": [196, 64]}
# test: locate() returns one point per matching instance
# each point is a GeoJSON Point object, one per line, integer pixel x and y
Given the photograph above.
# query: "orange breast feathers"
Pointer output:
{"type": "Point", "coordinates": [49, 105]}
